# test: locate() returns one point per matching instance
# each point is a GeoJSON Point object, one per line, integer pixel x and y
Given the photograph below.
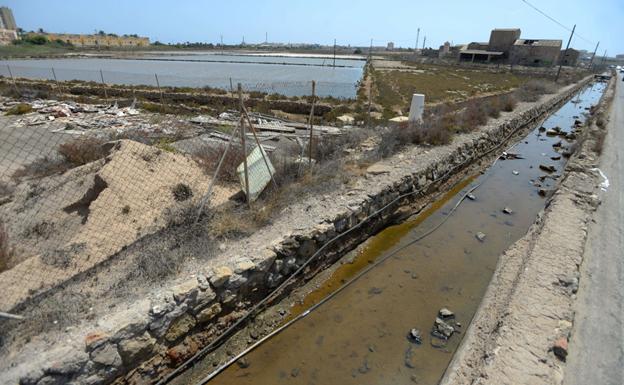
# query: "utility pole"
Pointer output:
{"type": "Point", "coordinates": [424, 42]}
{"type": "Point", "coordinates": [591, 62]}
{"type": "Point", "coordinates": [565, 53]}
{"type": "Point", "coordinates": [221, 44]}
{"type": "Point", "coordinates": [334, 54]}
{"type": "Point", "coordinates": [604, 57]}
{"type": "Point", "coordinates": [266, 38]}
{"type": "Point", "coordinates": [417, 38]}
{"type": "Point", "coordinates": [370, 51]}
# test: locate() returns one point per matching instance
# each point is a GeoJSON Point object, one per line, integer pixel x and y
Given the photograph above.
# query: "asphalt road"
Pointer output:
{"type": "Point", "coordinates": [597, 345]}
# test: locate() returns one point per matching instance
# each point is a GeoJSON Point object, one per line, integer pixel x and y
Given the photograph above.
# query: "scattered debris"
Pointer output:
{"type": "Point", "coordinates": [445, 313]}
{"type": "Point", "coordinates": [415, 336]}
{"type": "Point", "coordinates": [480, 236]}
{"type": "Point", "coordinates": [441, 329]}
{"type": "Point", "coordinates": [515, 172]}
{"type": "Point", "coordinates": [471, 196]}
{"type": "Point", "coordinates": [560, 348]}
{"type": "Point", "coordinates": [547, 168]}
{"type": "Point", "coordinates": [604, 185]}
{"type": "Point", "coordinates": [507, 210]}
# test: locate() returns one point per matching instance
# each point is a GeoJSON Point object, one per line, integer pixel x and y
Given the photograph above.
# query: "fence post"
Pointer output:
{"type": "Point", "coordinates": [58, 87]}
{"type": "Point", "coordinates": [242, 126]}
{"type": "Point", "coordinates": [13, 79]}
{"type": "Point", "coordinates": [370, 101]}
{"type": "Point", "coordinates": [104, 86]}
{"type": "Point", "coordinates": [311, 123]}
{"type": "Point", "coordinates": [231, 87]}
{"type": "Point", "coordinates": [162, 101]}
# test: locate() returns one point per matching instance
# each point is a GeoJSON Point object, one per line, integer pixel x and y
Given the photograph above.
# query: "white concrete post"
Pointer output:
{"type": "Point", "coordinates": [417, 108]}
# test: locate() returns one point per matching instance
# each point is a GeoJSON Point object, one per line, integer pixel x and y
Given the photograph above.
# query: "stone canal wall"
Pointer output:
{"type": "Point", "coordinates": [149, 338]}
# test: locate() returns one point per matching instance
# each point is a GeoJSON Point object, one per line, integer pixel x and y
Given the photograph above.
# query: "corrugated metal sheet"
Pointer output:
{"type": "Point", "coordinates": [259, 176]}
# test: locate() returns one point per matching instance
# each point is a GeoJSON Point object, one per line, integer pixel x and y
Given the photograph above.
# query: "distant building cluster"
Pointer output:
{"type": "Point", "coordinates": [506, 46]}
{"type": "Point", "coordinates": [8, 28]}
{"type": "Point", "coordinates": [8, 33]}
{"type": "Point", "coordinates": [98, 40]}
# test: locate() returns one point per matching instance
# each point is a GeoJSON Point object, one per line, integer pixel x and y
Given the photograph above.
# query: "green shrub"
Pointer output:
{"type": "Point", "coordinates": [19, 109]}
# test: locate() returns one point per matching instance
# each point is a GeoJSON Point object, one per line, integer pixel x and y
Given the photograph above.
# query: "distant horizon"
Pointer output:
{"type": "Point", "coordinates": [296, 22]}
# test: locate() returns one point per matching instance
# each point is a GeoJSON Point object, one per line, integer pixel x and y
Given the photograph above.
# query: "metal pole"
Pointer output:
{"type": "Point", "coordinates": [370, 100]}
{"type": "Point", "coordinates": [206, 197]}
{"type": "Point", "coordinates": [591, 62]}
{"type": "Point", "coordinates": [417, 38]}
{"type": "Point", "coordinates": [370, 51]}
{"type": "Point", "coordinates": [334, 59]}
{"type": "Point", "coordinates": [221, 44]}
{"type": "Point", "coordinates": [311, 123]}
{"type": "Point", "coordinates": [162, 100]}
{"type": "Point", "coordinates": [104, 86]}
{"type": "Point", "coordinates": [242, 125]}
{"type": "Point", "coordinates": [58, 87]}
{"type": "Point", "coordinates": [13, 79]}
{"type": "Point", "coordinates": [565, 53]}
{"type": "Point", "coordinates": [231, 87]}
{"type": "Point", "coordinates": [424, 41]}
{"type": "Point", "coordinates": [604, 57]}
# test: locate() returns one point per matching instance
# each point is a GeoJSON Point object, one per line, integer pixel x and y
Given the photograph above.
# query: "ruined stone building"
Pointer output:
{"type": "Point", "coordinates": [569, 58]}
{"type": "Point", "coordinates": [535, 52]}
{"type": "Point", "coordinates": [506, 46]}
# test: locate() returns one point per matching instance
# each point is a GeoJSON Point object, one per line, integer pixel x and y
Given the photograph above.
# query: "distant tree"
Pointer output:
{"type": "Point", "coordinates": [40, 30]}
{"type": "Point", "coordinates": [101, 33]}
{"type": "Point", "coordinates": [157, 43]}
{"type": "Point", "coordinates": [357, 51]}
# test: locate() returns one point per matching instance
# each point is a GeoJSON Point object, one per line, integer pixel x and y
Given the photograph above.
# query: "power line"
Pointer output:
{"type": "Point", "coordinates": [556, 21]}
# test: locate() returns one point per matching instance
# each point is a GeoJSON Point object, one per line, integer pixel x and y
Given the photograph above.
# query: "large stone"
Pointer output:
{"type": "Point", "coordinates": [236, 281]}
{"type": "Point", "coordinates": [180, 327]}
{"type": "Point", "coordinates": [204, 297]}
{"type": "Point", "coordinates": [244, 266]}
{"type": "Point", "coordinates": [70, 363]}
{"type": "Point", "coordinates": [186, 290]}
{"type": "Point", "coordinates": [95, 339]}
{"type": "Point", "coordinates": [127, 323]}
{"type": "Point", "coordinates": [264, 261]}
{"type": "Point", "coordinates": [159, 326]}
{"type": "Point", "coordinates": [377, 169]}
{"type": "Point", "coordinates": [220, 276]}
{"type": "Point", "coordinates": [443, 328]}
{"type": "Point", "coordinates": [209, 313]}
{"type": "Point", "coordinates": [107, 355]}
{"type": "Point", "coordinates": [136, 349]}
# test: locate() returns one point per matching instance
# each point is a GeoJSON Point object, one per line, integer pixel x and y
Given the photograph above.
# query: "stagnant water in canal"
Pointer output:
{"type": "Point", "coordinates": [360, 335]}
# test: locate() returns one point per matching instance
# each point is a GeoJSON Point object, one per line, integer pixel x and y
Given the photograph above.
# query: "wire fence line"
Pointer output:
{"type": "Point", "coordinates": [340, 87]}
{"type": "Point", "coordinates": [81, 183]}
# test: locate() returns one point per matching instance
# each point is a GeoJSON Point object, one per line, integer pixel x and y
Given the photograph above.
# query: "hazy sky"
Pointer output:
{"type": "Point", "coordinates": [350, 22]}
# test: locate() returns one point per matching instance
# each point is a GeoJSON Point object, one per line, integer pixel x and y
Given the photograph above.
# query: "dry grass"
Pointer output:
{"type": "Point", "coordinates": [208, 158]}
{"type": "Point", "coordinates": [394, 88]}
{"type": "Point", "coordinates": [82, 151]}
{"type": "Point", "coordinates": [533, 89]}
{"type": "Point", "coordinates": [41, 168]}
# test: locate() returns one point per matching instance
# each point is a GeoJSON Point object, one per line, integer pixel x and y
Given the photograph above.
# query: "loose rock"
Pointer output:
{"type": "Point", "coordinates": [480, 236]}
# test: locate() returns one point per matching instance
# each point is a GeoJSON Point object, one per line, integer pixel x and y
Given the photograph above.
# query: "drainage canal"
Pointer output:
{"type": "Point", "coordinates": [360, 335]}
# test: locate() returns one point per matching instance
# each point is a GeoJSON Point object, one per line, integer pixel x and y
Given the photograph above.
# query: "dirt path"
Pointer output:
{"type": "Point", "coordinates": [597, 343]}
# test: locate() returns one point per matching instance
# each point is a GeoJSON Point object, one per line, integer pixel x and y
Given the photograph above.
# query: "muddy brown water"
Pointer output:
{"type": "Point", "coordinates": [360, 335]}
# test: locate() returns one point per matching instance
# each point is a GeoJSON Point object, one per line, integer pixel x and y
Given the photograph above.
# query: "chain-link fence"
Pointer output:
{"type": "Point", "coordinates": [87, 176]}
